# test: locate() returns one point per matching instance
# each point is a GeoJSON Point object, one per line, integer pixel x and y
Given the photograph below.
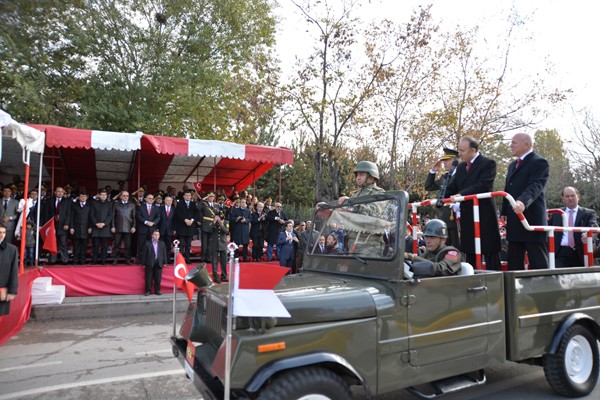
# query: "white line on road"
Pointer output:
{"type": "Point", "coordinates": [143, 353]}
{"type": "Point", "coordinates": [92, 382]}
{"type": "Point", "coordinates": [30, 366]}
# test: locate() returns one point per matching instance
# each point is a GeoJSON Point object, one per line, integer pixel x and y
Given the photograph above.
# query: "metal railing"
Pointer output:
{"type": "Point", "coordinates": [587, 232]}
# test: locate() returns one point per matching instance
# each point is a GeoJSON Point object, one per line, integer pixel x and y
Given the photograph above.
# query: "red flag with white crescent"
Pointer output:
{"type": "Point", "coordinates": [181, 270]}
{"type": "Point", "coordinates": [253, 291]}
{"type": "Point", "coordinates": [48, 235]}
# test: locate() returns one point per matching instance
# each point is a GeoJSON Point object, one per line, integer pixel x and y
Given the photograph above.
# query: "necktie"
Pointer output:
{"type": "Point", "coordinates": [168, 211]}
{"type": "Point", "coordinates": [519, 162]}
{"type": "Point", "coordinates": [187, 203]}
{"type": "Point", "coordinates": [5, 204]}
{"type": "Point", "coordinates": [322, 249]}
{"type": "Point", "coordinates": [149, 208]}
{"type": "Point", "coordinates": [469, 165]}
{"type": "Point", "coordinates": [571, 238]}
{"type": "Point", "coordinates": [56, 210]}
{"type": "Point", "coordinates": [82, 205]}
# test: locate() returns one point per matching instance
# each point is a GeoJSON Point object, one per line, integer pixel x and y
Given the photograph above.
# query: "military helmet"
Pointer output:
{"type": "Point", "coordinates": [436, 228]}
{"type": "Point", "coordinates": [368, 167]}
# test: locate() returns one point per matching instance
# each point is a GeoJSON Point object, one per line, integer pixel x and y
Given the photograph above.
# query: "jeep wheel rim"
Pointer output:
{"type": "Point", "coordinates": [314, 397]}
{"type": "Point", "coordinates": [579, 359]}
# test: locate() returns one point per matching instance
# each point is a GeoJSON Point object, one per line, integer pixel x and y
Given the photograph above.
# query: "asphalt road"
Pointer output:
{"type": "Point", "coordinates": [130, 358]}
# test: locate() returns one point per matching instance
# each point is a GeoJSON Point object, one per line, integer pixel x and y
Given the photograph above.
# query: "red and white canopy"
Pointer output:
{"type": "Point", "coordinates": [93, 158]}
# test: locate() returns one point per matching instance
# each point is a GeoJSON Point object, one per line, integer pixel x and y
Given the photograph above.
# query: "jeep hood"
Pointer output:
{"type": "Point", "coordinates": [315, 298]}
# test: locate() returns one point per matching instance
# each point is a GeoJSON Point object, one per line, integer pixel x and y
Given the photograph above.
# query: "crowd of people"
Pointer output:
{"type": "Point", "coordinates": [135, 224]}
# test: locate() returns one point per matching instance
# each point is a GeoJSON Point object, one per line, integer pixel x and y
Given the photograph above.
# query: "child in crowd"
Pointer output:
{"type": "Point", "coordinates": [29, 243]}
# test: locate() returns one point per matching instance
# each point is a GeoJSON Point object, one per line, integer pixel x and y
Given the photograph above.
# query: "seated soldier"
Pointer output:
{"type": "Point", "coordinates": [438, 258]}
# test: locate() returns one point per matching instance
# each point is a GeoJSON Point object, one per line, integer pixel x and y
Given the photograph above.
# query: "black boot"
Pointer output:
{"type": "Point", "coordinates": [216, 278]}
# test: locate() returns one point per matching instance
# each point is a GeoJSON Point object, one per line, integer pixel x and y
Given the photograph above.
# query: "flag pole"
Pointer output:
{"type": "Point", "coordinates": [175, 254]}
{"type": "Point", "coordinates": [233, 272]}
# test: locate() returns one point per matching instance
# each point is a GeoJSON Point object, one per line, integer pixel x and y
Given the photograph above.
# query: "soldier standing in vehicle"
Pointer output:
{"type": "Point", "coordinates": [366, 175]}
{"type": "Point", "coordinates": [438, 259]}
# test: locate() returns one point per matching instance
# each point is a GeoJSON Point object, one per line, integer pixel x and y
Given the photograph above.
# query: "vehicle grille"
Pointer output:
{"type": "Point", "coordinates": [216, 315]}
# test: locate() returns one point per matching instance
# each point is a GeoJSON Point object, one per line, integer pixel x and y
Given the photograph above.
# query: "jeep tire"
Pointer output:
{"type": "Point", "coordinates": [307, 384]}
{"type": "Point", "coordinates": [573, 370]}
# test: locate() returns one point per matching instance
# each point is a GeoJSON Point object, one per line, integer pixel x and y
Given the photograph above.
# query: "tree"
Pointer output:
{"type": "Point", "coordinates": [549, 145]}
{"type": "Point", "coordinates": [199, 68]}
{"type": "Point", "coordinates": [585, 154]}
{"type": "Point", "coordinates": [330, 87]}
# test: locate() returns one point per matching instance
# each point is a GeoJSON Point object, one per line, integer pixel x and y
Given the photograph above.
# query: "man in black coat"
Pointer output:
{"type": "Point", "coordinates": [59, 208]}
{"type": "Point", "coordinates": [569, 250]}
{"type": "Point", "coordinates": [258, 230]}
{"type": "Point", "coordinates": [148, 218]}
{"type": "Point", "coordinates": [80, 228]}
{"type": "Point", "coordinates": [167, 224]}
{"type": "Point", "coordinates": [9, 271]}
{"type": "Point", "coordinates": [186, 214]}
{"type": "Point", "coordinates": [526, 182]}
{"type": "Point", "coordinates": [276, 223]}
{"type": "Point", "coordinates": [101, 219]}
{"type": "Point", "coordinates": [474, 175]}
{"type": "Point", "coordinates": [153, 256]}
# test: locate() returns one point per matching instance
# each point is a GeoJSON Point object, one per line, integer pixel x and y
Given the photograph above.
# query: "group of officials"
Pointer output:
{"type": "Point", "coordinates": [525, 182]}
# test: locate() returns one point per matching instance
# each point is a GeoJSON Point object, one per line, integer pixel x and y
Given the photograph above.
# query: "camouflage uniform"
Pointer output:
{"type": "Point", "coordinates": [369, 246]}
{"type": "Point", "coordinates": [446, 261]}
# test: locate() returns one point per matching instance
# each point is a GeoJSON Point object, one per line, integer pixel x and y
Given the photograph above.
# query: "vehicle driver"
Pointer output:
{"type": "Point", "coordinates": [438, 259]}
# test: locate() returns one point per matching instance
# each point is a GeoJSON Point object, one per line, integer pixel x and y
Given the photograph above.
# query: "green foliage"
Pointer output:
{"type": "Point", "coordinates": [549, 145]}
{"type": "Point", "coordinates": [195, 68]}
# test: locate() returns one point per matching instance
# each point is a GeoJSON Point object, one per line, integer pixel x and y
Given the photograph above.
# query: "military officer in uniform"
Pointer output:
{"type": "Point", "coordinates": [218, 248]}
{"type": "Point", "coordinates": [445, 213]}
{"type": "Point", "coordinates": [208, 210]}
{"type": "Point", "coordinates": [438, 259]}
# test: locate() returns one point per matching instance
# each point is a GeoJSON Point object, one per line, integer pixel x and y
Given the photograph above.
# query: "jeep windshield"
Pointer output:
{"type": "Point", "coordinates": [359, 237]}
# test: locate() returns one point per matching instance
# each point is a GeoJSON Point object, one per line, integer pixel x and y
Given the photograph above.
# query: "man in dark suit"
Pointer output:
{"type": "Point", "coordinates": [9, 271]}
{"type": "Point", "coordinates": [526, 182]}
{"type": "Point", "coordinates": [101, 220]}
{"type": "Point", "coordinates": [276, 222]}
{"type": "Point", "coordinates": [474, 175]}
{"type": "Point", "coordinates": [80, 228]}
{"type": "Point", "coordinates": [153, 257]}
{"type": "Point", "coordinates": [59, 208]}
{"type": "Point", "coordinates": [8, 213]}
{"type": "Point", "coordinates": [285, 244]}
{"type": "Point", "coordinates": [450, 161]}
{"type": "Point", "coordinates": [569, 246]}
{"type": "Point", "coordinates": [186, 214]}
{"type": "Point", "coordinates": [148, 218]}
{"type": "Point", "coordinates": [167, 224]}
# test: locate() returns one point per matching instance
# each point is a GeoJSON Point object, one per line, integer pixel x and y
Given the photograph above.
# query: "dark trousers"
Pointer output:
{"type": "Point", "coordinates": [141, 240]}
{"type": "Point", "coordinates": [79, 249]}
{"type": "Point", "coordinates": [257, 247]}
{"type": "Point", "coordinates": [492, 261]}
{"type": "Point", "coordinates": [153, 274]}
{"type": "Point", "coordinates": [168, 239]}
{"type": "Point", "coordinates": [125, 238]}
{"type": "Point", "coordinates": [536, 252]}
{"type": "Point", "coordinates": [219, 257]}
{"type": "Point", "coordinates": [205, 237]}
{"type": "Point", "coordinates": [61, 243]}
{"type": "Point", "coordinates": [99, 247]}
{"type": "Point", "coordinates": [568, 257]}
{"type": "Point", "coordinates": [185, 244]}
{"type": "Point", "coordinates": [242, 252]}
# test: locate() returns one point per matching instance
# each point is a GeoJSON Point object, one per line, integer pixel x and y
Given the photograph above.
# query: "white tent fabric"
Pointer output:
{"type": "Point", "coordinates": [104, 140]}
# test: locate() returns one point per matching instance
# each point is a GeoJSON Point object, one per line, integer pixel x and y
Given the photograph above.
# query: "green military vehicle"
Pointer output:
{"type": "Point", "coordinates": [358, 319]}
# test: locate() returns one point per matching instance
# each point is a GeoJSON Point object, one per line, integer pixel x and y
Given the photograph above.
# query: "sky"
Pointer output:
{"type": "Point", "coordinates": [558, 34]}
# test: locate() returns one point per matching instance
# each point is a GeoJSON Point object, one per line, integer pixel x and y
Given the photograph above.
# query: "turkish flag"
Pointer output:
{"type": "Point", "coordinates": [198, 186]}
{"type": "Point", "coordinates": [181, 270]}
{"type": "Point", "coordinates": [48, 235]}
